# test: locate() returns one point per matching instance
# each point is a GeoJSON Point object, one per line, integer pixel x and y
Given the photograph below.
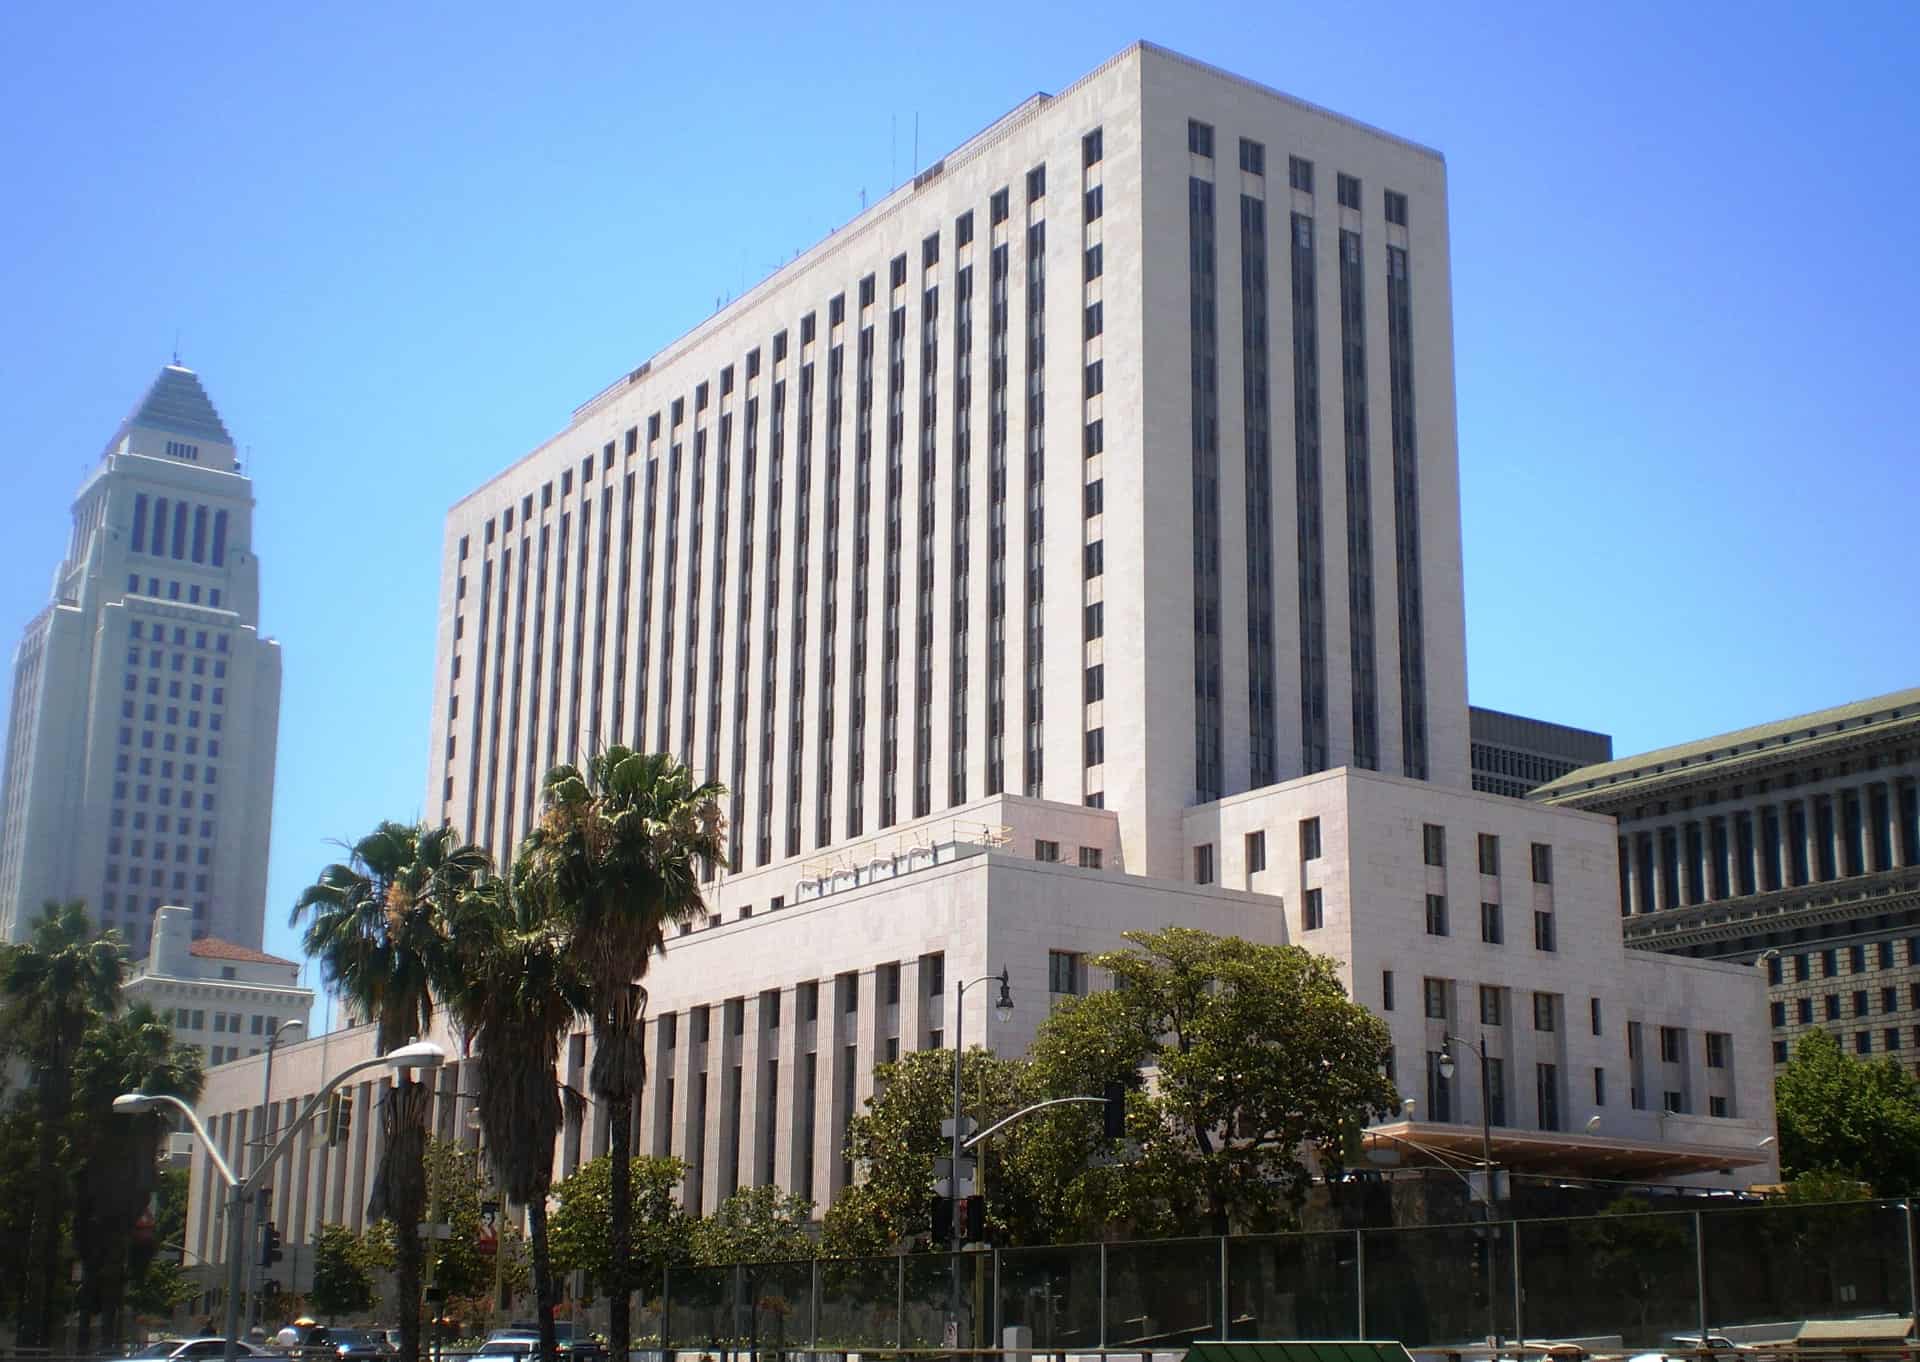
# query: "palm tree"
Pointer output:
{"type": "Point", "coordinates": [55, 986]}
{"type": "Point", "coordinates": [618, 848]}
{"type": "Point", "coordinates": [516, 993]}
{"type": "Point", "coordinates": [115, 1155]}
{"type": "Point", "coordinates": [378, 926]}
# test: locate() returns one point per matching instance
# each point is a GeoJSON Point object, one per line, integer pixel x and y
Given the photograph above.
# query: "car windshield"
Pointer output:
{"type": "Point", "coordinates": [164, 1348]}
{"type": "Point", "coordinates": [358, 1338]}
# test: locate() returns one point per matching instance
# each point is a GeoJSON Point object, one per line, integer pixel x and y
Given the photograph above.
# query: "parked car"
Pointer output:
{"type": "Point", "coordinates": [348, 1345]}
{"type": "Point", "coordinates": [177, 1349]}
{"type": "Point", "coordinates": [573, 1346]}
{"type": "Point", "coordinates": [1686, 1348]}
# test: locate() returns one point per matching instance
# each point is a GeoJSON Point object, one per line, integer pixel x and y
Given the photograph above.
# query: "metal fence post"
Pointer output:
{"type": "Point", "coordinates": [899, 1301]}
{"type": "Point", "coordinates": [993, 1311]}
{"type": "Point", "coordinates": [739, 1299]}
{"type": "Point", "coordinates": [1226, 1315]}
{"type": "Point", "coordinates": [666, 1311]}
{"type": "Point", "coordinates": [1359, 1284]}
{"type": "Point", "coordinates": [1103, 1283]}
{"type": "Point", "coordinates": [1700, 1270]}
{"type": "Point", "coordinates": [813, 1310]}
{"type": "Point", "coordinates": [1519, 1320]}
{"type": "Point", "coordinates": [1913, 1266]}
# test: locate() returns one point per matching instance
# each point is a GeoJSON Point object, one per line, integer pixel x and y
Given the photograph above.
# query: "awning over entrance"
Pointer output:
{"type": "Point", "coordinates": [1560, 1153]}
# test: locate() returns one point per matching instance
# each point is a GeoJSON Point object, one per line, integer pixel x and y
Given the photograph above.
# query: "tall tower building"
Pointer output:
{"type": "Point", "coordinates": [1110, 462]}
{"type": "Point", "coordinates": [146, 706]}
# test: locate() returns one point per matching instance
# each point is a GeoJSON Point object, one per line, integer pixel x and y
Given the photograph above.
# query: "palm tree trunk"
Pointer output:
{"type": "Point", "coordinates": [542, 1272]}
{"type": "Point", "coordinates": [407, 1204]}
{"type": "Point", "coordinates": [43, 1243]}
{"type": "Point", "coordinates": [620, 1181]}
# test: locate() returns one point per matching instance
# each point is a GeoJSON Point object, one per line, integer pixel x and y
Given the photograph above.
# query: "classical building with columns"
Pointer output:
{"type": "Point", "coordinates": [1797, 841]}
{"type": "Point", "coordinates": [1100, 573]}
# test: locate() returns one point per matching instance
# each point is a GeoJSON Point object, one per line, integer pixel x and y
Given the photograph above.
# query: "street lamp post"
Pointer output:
{"type": "Point", "coordinates": [418, 1055]}
{"type": "Point", "coordinates": [266, 1119]}
{"type": "Point", "coordinates": [1486, 1160]}
{"type": "Point", "coordinates": [1003, 1009]}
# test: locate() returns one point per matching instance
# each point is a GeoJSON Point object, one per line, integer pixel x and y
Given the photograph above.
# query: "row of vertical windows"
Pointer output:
{"type": "Point", "coordinates": [830, 607]}
{"type": "Point", "coordinates": [175, 530]}
{"type": "Point", "coordinates": [1262, 743]}
{"type": "Point", "coordinates": [892, 547]}
{"type": "Point", "coordinates": [1310, 567]}
{"type": "Point", "coordinates": [1034, 693]}
{"type": "Point", "coordinates": [1353, 359]}
{"type": "Point", "coordinates": [958, 659]}
{"type": "Point", "coordinates": [1208, 768]}
{"type": "Point", "coordinates": [1406, 517]}
{"type": "Point", "coordinates": [173, 591]}
{"type": "Point", "coordinates": [743, 634]}
{"type": "Point", "coordinates": [923, 542]}
{"type": "Point", "coordinates": [862, 521]}
{"type": "Point", "coordinates": [997, 505]}
{"type": "Point", "coordinates": [802, 583]}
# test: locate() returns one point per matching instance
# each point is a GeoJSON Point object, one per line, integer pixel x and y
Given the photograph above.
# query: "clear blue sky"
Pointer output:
{"type": "Point", "coordinates": [402, 242]}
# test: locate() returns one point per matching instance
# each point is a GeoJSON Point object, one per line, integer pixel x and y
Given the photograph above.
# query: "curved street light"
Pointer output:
{"type": "Point", "coordinates": [419, 1054]}
{"type": "Point", "coordinates": [1002, 1009]}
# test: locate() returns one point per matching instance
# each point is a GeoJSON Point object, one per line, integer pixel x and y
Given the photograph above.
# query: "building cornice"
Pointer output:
{"type": "Point", "coordinates": [1887, 891]}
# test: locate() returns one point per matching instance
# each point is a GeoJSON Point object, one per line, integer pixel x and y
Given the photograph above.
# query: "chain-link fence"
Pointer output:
{"type": "Point", "coordinates": [1755, 1273]}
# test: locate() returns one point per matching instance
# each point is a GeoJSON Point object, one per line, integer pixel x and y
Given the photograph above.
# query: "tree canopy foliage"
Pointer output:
{"type": "Point", "coordinates": [1842, 1115]}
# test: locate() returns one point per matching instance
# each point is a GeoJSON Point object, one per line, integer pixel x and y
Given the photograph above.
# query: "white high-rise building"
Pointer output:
{"type": "Point", "coordinates": [1049, 554]}
{"type": "Point", "coordinates": [146, 706]}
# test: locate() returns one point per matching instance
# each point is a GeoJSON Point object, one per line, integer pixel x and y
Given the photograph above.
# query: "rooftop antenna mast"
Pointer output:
{"type": "Point", "coordinates": [176, 345]}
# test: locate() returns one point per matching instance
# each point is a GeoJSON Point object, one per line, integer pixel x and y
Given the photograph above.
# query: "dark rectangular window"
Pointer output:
{"type": "Point", "coordinates": [1036, 183]}
{"type": "Point", "coordinates": [1312, 911]}
{"type": "Point", "coordinates": [1256, 852]}
{"type": "Point", "coordinates": [1434, 995]}
{"type": "Point", "coordinates": [1096, 683]}
{"type": "Point", "coordinates": [1599, 1087]}
{"type": "Point", "coordinates": [1199, 138]}
{"type": "Point", "coordinates": [1090, 148]}
{"type": "Point", "coordinates": [1096, 623]}
{"type": "Point", "coordinates": [1359, 482]}
{"type": "Point", "coordinates": [1300, 173]}
{"type": "Point", "coordinates": [1093, 321]}
{"type": "Point", "coordinates": [1093, 498]}
{"type": "Point", "coordinates": [1718, 1043]}
{"type": "Point", "coordinates": [1253, 157]}
{"type": "Point", "coordinates": [1386, 990]}
{"type": "Point", "coordinates": [1309, 839]}
{"type": "Point", "coordinates": [1489, 854]}
{"type": "Point", "coordinates": [1094, 558]}
{"type": "Point", "coordinates": [1593, 1015]}
{"type": "Point", "coordinates": [1670, 1045]}
{"type": "Point", "coordinates": [1203, 864]}
{"type": "Point", "coordinates": [997, 208]}
{"type": "Point", "coordinates": [1096, 746]}
{"type": "Point", "coordinates": [1543, 1012]}
{"type": "Point", "coordinates": [1396, 208]}
{"type": "Point", "coordinates": [1436, 914]}
{"type": "Point", "coordinates": [1433, 843]}
{"type": "Point", "coordinates": [1547, 1093]}
{"type": "Point", "coordinates": [1542, 863]}
{"type": "Point", "coordinates": [1093, 262]}
{"type": "Point", "coordinates": [1348, 191]}
{"type": "Point", "coordinates": [1492, 929]}
{"type": "Point", "coordinates": [1490, 1009]}
{"type": "Point", "coordinates": [1095, 380]}
{"type": "Point", "coordinates": [1094, 438]}
{"type": "Point", "coordinates": [1439, 1090]}
{"type": "Point", "coordinates": [1094, 203]}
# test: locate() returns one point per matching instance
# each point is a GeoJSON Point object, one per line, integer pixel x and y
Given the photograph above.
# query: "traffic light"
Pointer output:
{"type": "Point", "coordinates": [1113, 1115]}
{"type": "Point", "coordinates": [972, 1214]}
{"type": "Point", "coordinates": [942, 1219]}
{"type": "Point", "coordinates": [270, 1245]}
{"type": "Point", "coordinates": [339, 1118]}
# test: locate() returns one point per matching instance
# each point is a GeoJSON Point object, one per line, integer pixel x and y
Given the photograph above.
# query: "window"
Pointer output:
{"type": "Point", "coordinates": [1347, 190]}
{"type": "Point", "coordinates": [1386, 990]}
{"type": "Point", "coordinates": [1089, 858]}
{"type": "Point", "coordinates": [1542, 863]}
{"type": "Point", "coordinates": [1309, 839]}
{"type": "Point", "coordinates": [1863, 1042]}
{"type": "Point", "coordinates": [1889, 1000]}
{"type": "Point", "coordinates": [1439, 1090]}
{"type": "Point", "coordinates": [1593, 1015]}
{"type": "Point", "coordinates": [1802, 968]}
{"type": "Point", "coordinates": [1396, 208]}
{"type": "Point", "coordinates": [1312, 911]}
{"type": "Point", "coordinates": [1096, 683]}
{"type": "Point", "coordinates": [1253, 157]}
{"type": "Point", "coordinates": [1779, 1052]}
{"type": "Point", "coordinates": [1036, 183]}
{"type": "Point", "coordinates": [1543, 1012]}
{"type": "Point", "coordinates": [1090, 148]}
{"type": "Point", "coordinates": [1829, 963]}
{"type": "Point", "coordinates": [1093, 498]}
{"type": "Point", "coordinates": [1489, 854]}
{"type": "Point", "coordinates": [1096, 746]}
{"type": "Point", "coordinates": [1716, 1106]}
{"type": "Point", "coordinates": [1300, 173]}
{"type": "Point", "coordinates": [1433, 843]}
{"type": "Point", "coordinates": [1803, 1009]}
{"type": "Point", "coordinates": [1046, 851]}
{"type": "Point", "coordinates": [1096, 620]}
{"type": "Point", "coordinates": [1547, 1091]}
{"type": "Point", "coordinates": [1095, 379]}
{"type": "Point", "coordinates": [1094, 262]}
{"type": "Point", "coordinates": [1890, 1038]}
{"type": "Point", "coordinates": [1859, 1002]}
{"type": "Point", "coordinates": [1092, 199]}
{"type": "Point", "coordinates": [1094, 441]}
{"type": "Point", "coordinates": [1436, 914]}
{"type": "Point", "coordinates": [1857, 958]}
{"type": "Point", "coordinates": [1669, 1045]}
{"type": "Point", "coordinates": [1094, 558]}
{"type": "Point", "coordinates": [1832, 1006]}
{"type": "Point", "coordinates": [1490, 1010]}
{"type": "Point", "coordinates": [1774, 972]}
{"type": "Point", "coordinates": [1200, 138]}
{"type": "Point", "coordinates": [1065, 973]}
{"type": "Point", "coordinates": [1599, 1087]}
{"type": "Point", "coordinates": [1542, 931]}
{"type": "Point", "coordinates": [1256, 852]}
{"type": "Point", "coordinates": [1435, 991]}
{"type": "Point", "coordinates": [1492, 930]}
{"type": "Point", "coordinates": [1203, 864]}
{"type": "Point", "coordinates": [1717, 1043]}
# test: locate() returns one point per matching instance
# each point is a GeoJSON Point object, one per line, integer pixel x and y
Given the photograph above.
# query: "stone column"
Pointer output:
{"type": "Point", "coordinates": [915, 1010]}
{"type": "Point", "coordinates": [1837, 802]}
{"type": "Point", "coordinates": [723, 1102]}
{"type": "Point", "coordinates": [1660, 903]}
{"type": "Point", "coordinates": [872, 1036]}
{"type": "Point", "coordinates": [1893, 824]}
{"type": "Point", "coordinates": [680, 1131]}
{"type": "Point", "coordinates": [786, 1105]}
{"type": "Point", "coordinates": [758, 1048]}
{"type": "Point", "coordinates": [365, 1148]}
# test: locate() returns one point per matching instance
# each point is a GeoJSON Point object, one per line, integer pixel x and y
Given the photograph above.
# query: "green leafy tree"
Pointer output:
{"type": "Point", "coordinates": [455, 1190]}
{"type": "Point", "coordinates": [62, 980]}
{"type": "Point", "coordinates": [895, 1139]}
{"type": "Point", "coordinates": [1257, 1055]}
{"type": "Point", "coordinates": [1820, 1186]}
{"type": "Point", "coordinates": [377, 924]}
{"type": "Point", "coordinates": [618, 848]}
{"type": "Point", "coordinates": [114, 1156]}
{"type": "Point", "coordinates": [755, 1225]}
{"type": "Point", "coordinates": [517, 991]}
{"type": "Point", "coordinates": [1849, 1116]}
{"type": "Point", "coordinates": [157, 1289]}
{"type": "Point", "coordinates": [579, 1228]}
{"type": "Point", "coordinates": [342, 1276]}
